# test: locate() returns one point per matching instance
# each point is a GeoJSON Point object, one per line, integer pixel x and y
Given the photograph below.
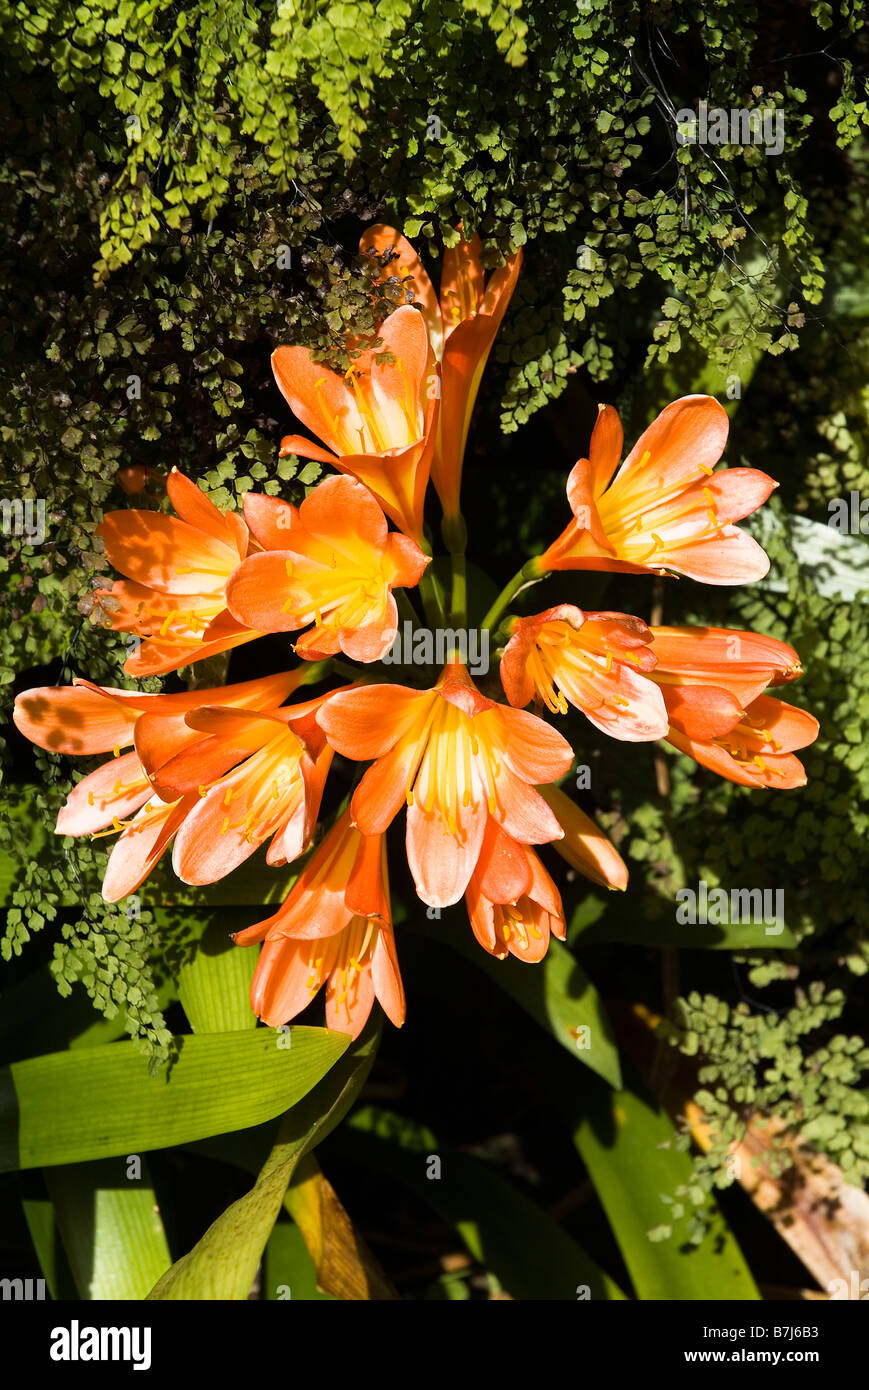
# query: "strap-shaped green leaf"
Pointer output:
{"type": "Point", "coordinates": [214, 987]}
{"type": "Point", "coordinates": [69, 1107]}
{"type": "Point", "coordinates": [111, 1228]}
{"type": "Point", "coordinates": [626, 1142]}
{"type": "Point", "coordinates": [222, 1265]}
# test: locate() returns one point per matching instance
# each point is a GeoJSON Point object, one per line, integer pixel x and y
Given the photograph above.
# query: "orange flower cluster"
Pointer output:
{"type": "Point", "coordinates": [218, 773]}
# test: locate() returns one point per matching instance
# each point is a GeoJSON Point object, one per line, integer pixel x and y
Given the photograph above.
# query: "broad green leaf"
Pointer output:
{"type": "Point", "coordinates": [288, 1270]}
{"type": "Point", "coordinates": [513, 1238]}
{"type": "Point", "coordinates": [111, 1228]}
{"type": "Point", "coordinates": [557, 994]}
{"type": "Point", "coordinates": [41, 1221]}
{"type": "Point", "coordinates": [214, 987]}
{"type": "Point", "coordinates": [95, 1102]}
{"type": "Point", "coordinates": [626, 1142]}
{"type": "Point", "coordinates": [223, 1264]}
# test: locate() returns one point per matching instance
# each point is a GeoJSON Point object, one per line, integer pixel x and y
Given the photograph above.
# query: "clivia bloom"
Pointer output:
{"type": "Point", "coordinates": [259, 776]}
{"type": "Point", "coordinates": [334, 928]}
{"type": "Point", "coordinates": [713, 682]}
{"type": "Point", "coordinates": [513, 904]}
{"type": "Point", "coordinates": [598, 662]}
{"type": "Point", "coordinates": [462, 327]}
{"type": "Point", "coordinates": [456, 759]}
{"type": "Point", "coordinates": [710, 675]}
{"type": "Point", "coordinates": [377, 420]}
{"type": "Point", "coordinates": [331, 562]}
{"type": "Point", "coordinates": [123, 795]}
{"type": "Point", "coordinates": [665, 508]}
{"type": "Point", "coordinates": [757, 750]}
{"type": "Point", "coordinates": [176, 569]}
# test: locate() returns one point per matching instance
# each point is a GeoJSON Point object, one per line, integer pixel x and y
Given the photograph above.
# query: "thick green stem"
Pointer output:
{"type": "Point", "coordinates": [459, 598]}
{"type": "Point", "coordinates": [432, 599]}
{"type": "Point", "coordinates": [529, 572]}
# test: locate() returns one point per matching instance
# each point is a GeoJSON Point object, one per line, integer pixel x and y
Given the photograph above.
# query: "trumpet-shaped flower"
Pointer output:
{"type": "Point", "coordinates": [377, 421]}
{"type": "Point", "coordinates": [512, 902]}
{"type": "Point", "coordinates": [462, 327]}
{"type": "Point", "coordinates": [331, 562]}
{"type": "Point", "coordinates": [176, 569]}
{"type": "Point", "coordinates": [758, 749]}
{"type": "Point", "coordinates": [665, 508]}
{"type": "Point", "coordinates": [334, 928]}
{"type": "Point", "coordinates": [455, 758]}
{"type": "Point", "coordinates": [708, 676]}
{"type": "Point", "coordinates": [123, 795]}
{"type": "Point", "coordinates": [594, 661]}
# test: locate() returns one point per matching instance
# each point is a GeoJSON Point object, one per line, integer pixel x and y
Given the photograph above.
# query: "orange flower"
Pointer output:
{"type": "Point", "coordinates": [176, 571]}
{"type": "Point", "coordinates": [331, 562]}
{"type": "Point", "coordinates": [456, 758]}
{"type": "Point", "coordinates": [124, 795]}
{"type": "Point", "coordinates": [513, 905]}
{"type": "Point", "coordinates": [665, 508]}
{"type": "Point", "coordinates": [757, 750]}
{"type": "Point", "coordinates": [377, 420]}
{"type": "Point", "coordinates": [462, 327]}
{"type": "Point", "coordinates": [583, 844]}
{"type": "Point", "coordinates": [272, 792]}
{"type": "Point", "coordinates": [593, 661]}
{"type": "Point", "coordinates": [334, 928]}
{"type": "Point", "coordinates": [709, 675]}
